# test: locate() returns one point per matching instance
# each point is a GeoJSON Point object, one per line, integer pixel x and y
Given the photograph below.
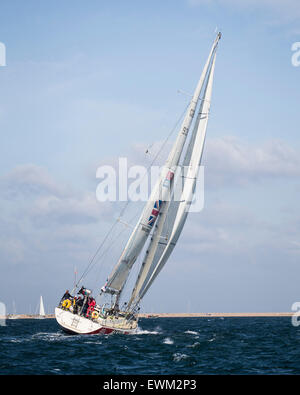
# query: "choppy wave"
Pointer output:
{"type": "Point", "coordinates": [179, 356]}
{"type": "Point", "coordinates": [196, 344]}
{"type": "Point", "coordinates": [160, 346]}
{"type": "Point", "coordinates": [167, 340]}
{"type": "Point", "coordinates": [141, 331]}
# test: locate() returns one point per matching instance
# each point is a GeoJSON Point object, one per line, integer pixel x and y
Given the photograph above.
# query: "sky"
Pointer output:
{"type": "Point", "coordinates": [87, 83]}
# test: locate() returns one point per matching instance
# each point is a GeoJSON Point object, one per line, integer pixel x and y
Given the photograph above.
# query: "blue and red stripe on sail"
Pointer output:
{"type": "Point", "coordinates": [155, 212]}
{"type": "Point", "coordinates": [157, 204]}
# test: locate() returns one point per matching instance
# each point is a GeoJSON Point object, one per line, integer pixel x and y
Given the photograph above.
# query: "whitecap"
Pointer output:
{"type": "Point", "coordinates": [140, 331]}
{"type": "Point", "coordinates": [54, 336]}
{"type": "Point", "coordinates": [191, 332]}
{"type": "Point", "coordinates": [194, 345]}
{"type": "Point", "coordinates": [178, 356]}
{"type": "Point", "coordinates": [167, 340]}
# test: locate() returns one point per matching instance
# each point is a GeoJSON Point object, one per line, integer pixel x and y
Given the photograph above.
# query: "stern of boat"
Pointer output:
{"type": "Point", "coordinates": [76, 324]}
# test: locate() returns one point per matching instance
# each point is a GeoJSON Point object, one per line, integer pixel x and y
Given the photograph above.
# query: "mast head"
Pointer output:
{"type": "Point", "coordinates": [219, 35]}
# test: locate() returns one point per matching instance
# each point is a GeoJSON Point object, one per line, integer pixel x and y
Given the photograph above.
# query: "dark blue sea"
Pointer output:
{"type": "Point", "coordinates": [168, 346]}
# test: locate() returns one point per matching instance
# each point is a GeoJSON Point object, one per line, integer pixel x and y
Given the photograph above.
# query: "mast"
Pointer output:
{"type": "Point", "coordinates": [159, 199]}
{"type": "Point", "coordinates": [193, 157]}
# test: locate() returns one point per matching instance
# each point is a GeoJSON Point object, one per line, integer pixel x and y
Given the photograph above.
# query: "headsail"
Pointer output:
{"type": "Point", "coordinates": [159, 199]}
{"type": "Point", "coordinates": [193, 155]}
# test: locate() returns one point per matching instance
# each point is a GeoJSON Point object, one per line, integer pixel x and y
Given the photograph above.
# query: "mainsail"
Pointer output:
{"type": "Point", "coordinates": [158, 204]}
{"type": "Point", "coordinates": [160, 250]}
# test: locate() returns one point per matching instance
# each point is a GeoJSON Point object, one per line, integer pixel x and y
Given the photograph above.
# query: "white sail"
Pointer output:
{"type": "Point", "coordinates": [190, 181]}
{"type": "Point", "coordinates": [42, 309]}
{"type": "Point", "coordinates": [164, 226]}
{"type": "Point", "coordinates": [158, 242]}
{"type": "Point", "coordinates": [159, 199]}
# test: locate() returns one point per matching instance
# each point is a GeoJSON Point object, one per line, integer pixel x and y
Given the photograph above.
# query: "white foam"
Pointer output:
{"type": "Point", "coordinates": [167, 340]}
{"type": "Point", "coordinates": [52, 336]}
{"type": "Point", "coordinates": [178, 356]}
{"type": "Point", "coordinates": [140, 331]}
{"type": "Point", "coordinates": [194, 345]}
{"type": "Point", "coordinates": [191, 332]}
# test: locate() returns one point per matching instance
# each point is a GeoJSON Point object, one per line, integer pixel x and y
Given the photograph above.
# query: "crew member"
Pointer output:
{"type": "Point", "coordinates": [92, 304]}
{"type": "Point", "coordinates": [65, 296]}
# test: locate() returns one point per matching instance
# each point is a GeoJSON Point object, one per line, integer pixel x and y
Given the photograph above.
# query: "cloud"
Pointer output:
{"type": "Point", "coordinates": [30, 180]}
{"type": "Point", "coordinates": [229, 161]}
{"type": "Point", "coordinates": [225, 225]}
{"type": "Point", "coordinates": [69, 210]}
{"type": "Point", "coordinates": [48, 201]}
{"type": "Point", "coordinates": [40, 215]}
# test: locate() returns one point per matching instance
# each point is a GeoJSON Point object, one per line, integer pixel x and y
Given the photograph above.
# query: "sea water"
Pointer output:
{"type": "Point", "coordinates": [173, 346]}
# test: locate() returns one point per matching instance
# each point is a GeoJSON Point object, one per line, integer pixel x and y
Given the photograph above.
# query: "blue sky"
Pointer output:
{"type": "Point", "coordinates": [86, 83]}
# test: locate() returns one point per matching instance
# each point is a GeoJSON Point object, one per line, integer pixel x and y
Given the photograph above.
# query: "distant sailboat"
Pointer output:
{"type": "Point", "coordinates": [42, 309]}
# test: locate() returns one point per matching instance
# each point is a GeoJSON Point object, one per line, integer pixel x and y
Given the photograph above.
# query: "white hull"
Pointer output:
{"type": "Point", "coordinates": [75, 324]}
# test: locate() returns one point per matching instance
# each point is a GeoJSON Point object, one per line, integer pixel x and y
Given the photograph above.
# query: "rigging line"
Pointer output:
{"type": "Point", "coordinates": [96, 253]}
{"type": "Point", "coordinates": [126, 203]}
{"type": "Point", "coordinates": [107, 249]}
{"type": "Point", "coordinates": [157, 155]}
{"type": "Point", "coordinates": [169, 135]}
{"type": "Point", "coordinates": [105, 252]}
{"type": "Point", "coordinates": [87, 270]}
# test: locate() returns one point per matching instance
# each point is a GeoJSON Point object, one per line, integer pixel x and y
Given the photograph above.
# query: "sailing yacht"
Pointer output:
{"type": "Point", "coordinates": [160, 224]}
{"type": "Point", "coordinates": [42, 309]}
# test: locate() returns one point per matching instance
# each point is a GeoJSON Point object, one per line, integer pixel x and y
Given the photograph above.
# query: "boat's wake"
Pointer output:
{"type": "Point", "coordinates": [140, 331]}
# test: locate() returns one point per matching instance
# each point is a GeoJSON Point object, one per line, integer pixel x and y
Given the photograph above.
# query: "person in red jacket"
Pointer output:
{"type": "Point", "coordinates": [92, 304]}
